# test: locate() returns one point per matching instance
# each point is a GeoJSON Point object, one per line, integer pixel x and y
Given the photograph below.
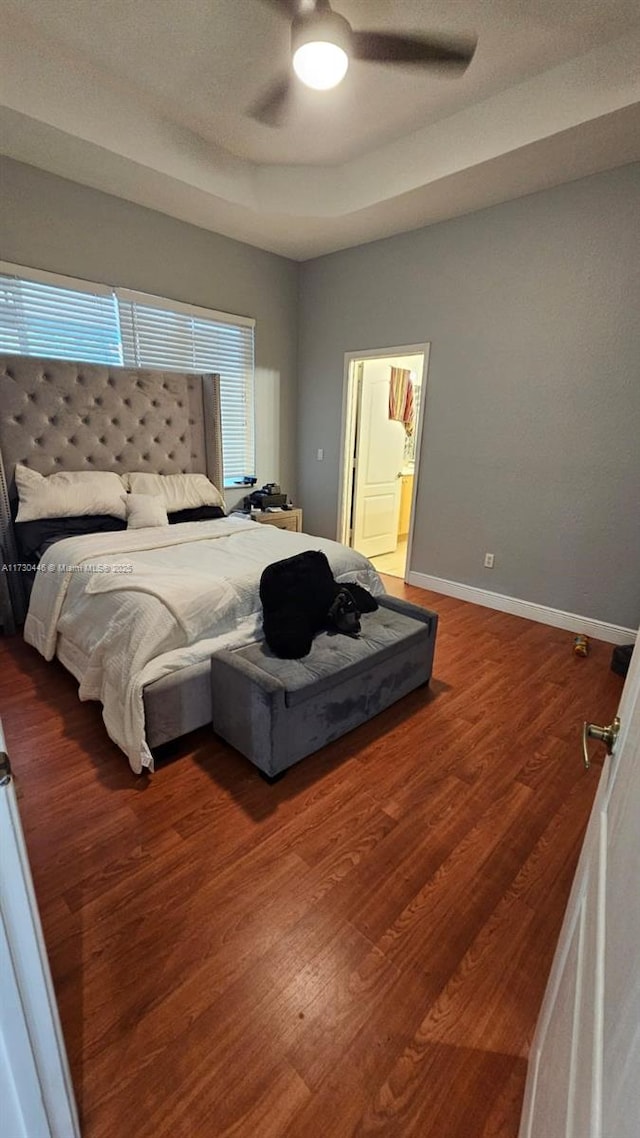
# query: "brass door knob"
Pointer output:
{"type": "Point", "coordinates": [606, 735]}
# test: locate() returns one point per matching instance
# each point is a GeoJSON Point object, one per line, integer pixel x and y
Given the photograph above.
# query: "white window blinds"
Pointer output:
{"type": "Point", "coordinates": [42, 315]}
{"type": "Point", "coordinates": [163, 334]}
{"type": "Point", "coordinates": [41, 319]}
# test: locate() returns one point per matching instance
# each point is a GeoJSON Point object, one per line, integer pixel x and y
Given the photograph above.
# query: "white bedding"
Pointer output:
{"type": "Point", "coordinates": [158, 600]}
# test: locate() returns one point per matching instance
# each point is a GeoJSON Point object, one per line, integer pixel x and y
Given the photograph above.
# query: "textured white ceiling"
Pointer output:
{"type": "Point", "coordinates": [148, 100]}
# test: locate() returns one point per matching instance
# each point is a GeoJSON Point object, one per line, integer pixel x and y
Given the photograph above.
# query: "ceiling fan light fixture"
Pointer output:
{"type": "Point", "coordinates": [320, 45]}
{"type": "Point", "coordinates": [320, 65]}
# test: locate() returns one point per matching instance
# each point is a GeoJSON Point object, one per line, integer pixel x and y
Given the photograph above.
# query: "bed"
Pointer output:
{"type": "Point", "coordinates": [138, 634]}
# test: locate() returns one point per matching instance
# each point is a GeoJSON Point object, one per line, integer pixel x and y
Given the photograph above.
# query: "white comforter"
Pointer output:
{"type": "Point", "coordinates": [139, 604]}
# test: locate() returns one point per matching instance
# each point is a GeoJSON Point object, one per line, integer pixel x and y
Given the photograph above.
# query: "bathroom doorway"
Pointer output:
{"type": "Point", "coordinates": [384, 408]}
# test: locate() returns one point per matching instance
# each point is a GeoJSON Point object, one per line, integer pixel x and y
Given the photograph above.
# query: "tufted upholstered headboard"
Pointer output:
{"type": "Point", "coordinates": [58, 415]}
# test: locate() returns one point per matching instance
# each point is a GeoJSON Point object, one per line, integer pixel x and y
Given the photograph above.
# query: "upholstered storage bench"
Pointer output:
{"type": "Point", "coordinates": [278, 711]}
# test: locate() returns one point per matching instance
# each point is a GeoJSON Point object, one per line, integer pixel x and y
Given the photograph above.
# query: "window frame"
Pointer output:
{"type": "Point", "coordinates": [179, 308]}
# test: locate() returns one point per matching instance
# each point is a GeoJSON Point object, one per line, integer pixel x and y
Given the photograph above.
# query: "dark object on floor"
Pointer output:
{"type": "Point", "coordinates": [621, 658]}
{"type": "Point", "coordinates": [297, 595]}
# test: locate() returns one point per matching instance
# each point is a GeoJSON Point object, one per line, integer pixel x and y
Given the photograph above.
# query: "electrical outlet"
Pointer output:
{"type": "Point", "coordinates": [320, 454]}
{"type": "Point", "coordinates": [488, 560]}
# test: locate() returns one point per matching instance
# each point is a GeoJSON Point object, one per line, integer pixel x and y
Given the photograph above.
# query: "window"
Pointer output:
{"type": "Point", "coordinates": [59, 318]}
{"type": "Point", "coordinates": [40, 319]}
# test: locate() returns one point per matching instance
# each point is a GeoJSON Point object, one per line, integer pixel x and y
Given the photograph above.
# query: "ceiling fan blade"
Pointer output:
{"type": "Point", "coordinates": [451, 52]}
{"type": "Point", "coordinates": [271, 108]}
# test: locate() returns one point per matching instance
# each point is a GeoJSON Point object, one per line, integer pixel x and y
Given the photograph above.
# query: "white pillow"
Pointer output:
{"type": "Point", "coordinates": [69, 494]}
{"type": "Point", "coordinates": [179, 491]}
{"type": "Point", "coordinates": [145, 510]}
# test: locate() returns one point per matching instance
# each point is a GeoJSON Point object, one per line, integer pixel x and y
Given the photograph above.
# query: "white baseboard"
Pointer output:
{"type": "Point", "coordinates": [571, 621]}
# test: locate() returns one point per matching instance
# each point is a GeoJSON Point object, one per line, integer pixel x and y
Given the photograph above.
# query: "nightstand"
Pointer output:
{"type": "Point", "coordinates": [283, 519]}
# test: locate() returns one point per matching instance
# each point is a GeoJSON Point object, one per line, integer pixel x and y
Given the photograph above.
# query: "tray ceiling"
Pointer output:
{"type": "Point", "coordinates": [148, 101]}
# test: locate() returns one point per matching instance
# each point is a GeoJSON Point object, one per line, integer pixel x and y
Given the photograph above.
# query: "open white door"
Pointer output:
{"type": "Point", "coordinates": [379, 459]}
{"type": "Point", "coordinates": [36, 1096]}
{"type": "Point", "coordinates": [584, 1068]}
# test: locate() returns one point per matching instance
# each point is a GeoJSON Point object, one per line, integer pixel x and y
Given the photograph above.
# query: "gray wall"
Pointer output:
{"type": "Point", "coordinates": [532, 437]}
{"type": "Point", "coordinates": [531, 444]}
{"type": "Point", "coordinates": [50, 223]}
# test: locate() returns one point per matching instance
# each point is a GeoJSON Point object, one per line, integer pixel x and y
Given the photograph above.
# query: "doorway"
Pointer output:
{"type": "Point", "coordinates": [382, 426]}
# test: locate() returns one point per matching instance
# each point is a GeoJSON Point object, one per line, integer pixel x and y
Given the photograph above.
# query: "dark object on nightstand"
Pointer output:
{"type": "Point", "coordinates": [621, 658]}
{"type": "Point", "coordinates": [269, 495]}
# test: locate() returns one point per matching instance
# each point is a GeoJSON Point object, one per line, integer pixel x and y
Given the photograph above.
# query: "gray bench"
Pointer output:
{"type": "Point", "coordinates": [278, 711]}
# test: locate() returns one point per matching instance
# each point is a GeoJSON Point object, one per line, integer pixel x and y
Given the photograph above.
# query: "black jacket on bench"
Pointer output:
{"type": "Point", "coordinates": [296, 596]}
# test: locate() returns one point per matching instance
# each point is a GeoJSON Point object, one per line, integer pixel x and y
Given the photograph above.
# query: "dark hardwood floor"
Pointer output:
{"type": "Point", "coordinates": [359, 949]}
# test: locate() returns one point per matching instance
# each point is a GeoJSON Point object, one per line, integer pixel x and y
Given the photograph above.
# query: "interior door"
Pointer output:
{"type": "Point", "coordinates": [36, 1094]}
{"type": "Point", "coordinates": [380, 445]}
{"type": "Point", "coordinates": [584, 1070]}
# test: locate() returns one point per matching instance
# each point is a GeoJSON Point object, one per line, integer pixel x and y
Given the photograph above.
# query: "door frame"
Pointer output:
{"type": "Point", "coordinates": [348, 430]}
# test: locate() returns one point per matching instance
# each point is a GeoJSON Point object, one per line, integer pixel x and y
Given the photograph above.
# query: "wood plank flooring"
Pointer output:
{"type": "Point", "coordinates": [360, 949]}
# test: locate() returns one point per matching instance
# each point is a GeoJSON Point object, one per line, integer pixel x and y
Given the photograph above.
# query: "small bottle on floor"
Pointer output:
{"type": "Point", "coordinates": [581, 646]}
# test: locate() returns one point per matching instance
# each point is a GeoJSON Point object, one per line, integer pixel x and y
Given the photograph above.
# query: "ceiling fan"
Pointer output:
{"type": "Point", "coordinates": [323, 42]}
